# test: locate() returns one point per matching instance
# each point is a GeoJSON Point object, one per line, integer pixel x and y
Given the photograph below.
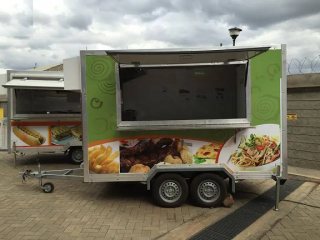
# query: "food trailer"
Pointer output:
{"type": "Point", "coordinates": [44, 116]}
{"type": "Point", "coordinates": [182, 121]}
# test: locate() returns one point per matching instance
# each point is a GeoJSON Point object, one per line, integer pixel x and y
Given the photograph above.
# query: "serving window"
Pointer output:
{"type": "Point", "coordinates": [174, 95]}
{"type": "Point", "coordinates": [32, 102]}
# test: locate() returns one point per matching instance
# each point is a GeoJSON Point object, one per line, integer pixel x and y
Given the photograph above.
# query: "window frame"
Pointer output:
{"type": "Point", "coordinates": [184, 124]}
{"type": "Point", "coordinates": [16, 116]}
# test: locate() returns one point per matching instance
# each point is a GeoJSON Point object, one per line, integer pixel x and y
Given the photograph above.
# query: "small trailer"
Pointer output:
{"type": "Point", "coordinates": [44, 116]}
{"type": "Point", "coordinates": [181, 121]}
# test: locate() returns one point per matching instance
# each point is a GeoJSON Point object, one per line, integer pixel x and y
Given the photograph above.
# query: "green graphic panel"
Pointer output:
{"type": "Point", "coordinates": [101, 99]}
{"type": "Point", "coordinates": [265, 88]}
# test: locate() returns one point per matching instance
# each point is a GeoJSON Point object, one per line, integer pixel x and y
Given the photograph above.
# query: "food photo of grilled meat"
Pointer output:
{"type": "Point", "coordinates": [148, 152]}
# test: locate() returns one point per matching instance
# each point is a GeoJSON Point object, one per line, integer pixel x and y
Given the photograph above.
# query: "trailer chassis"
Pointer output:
{"type": "Point", "coordinates": [78, 174]}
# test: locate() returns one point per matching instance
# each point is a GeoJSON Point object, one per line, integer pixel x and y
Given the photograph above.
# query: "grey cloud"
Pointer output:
{"type": "Point", "coordinates": [42, 19]}
{"type": "Point", "coordinates": [126, 7]}
{"type": "Point", "coordinates": [309, 22]}
{"type": "Point", "coordinates": [21, 37]}
{"type": "Point", "coordinates": [150, 16]}
{"type": "Point", "coordinates": [27, 60]}
{"type": "Point", "coordinates": [4, 46]}
{"type": "Point", "coordinates": [77, 21]}
{"type": "Point", "coordinates": [188, 35]}
{"type": "Point", "coordinates": [39, 45]}
{"type": "Point", "coordinates": [109, 11]}
{"type": "Point", "coordinates": [259, 14]}
{"type": "Point", "coordinates": [25, 16]}
{"type": "Point", "coordinates": [25, 19]}
{"type": "Point", "coordinates": [18, 25]}
{"type": "Point", "coordinates": [175, 23]}
{"type": "Point", "coordinates": [4, 17]}
{"type": "Point", "coordinates": [17, 63]}
{"type": "Point", "coordinates": [252, 13]}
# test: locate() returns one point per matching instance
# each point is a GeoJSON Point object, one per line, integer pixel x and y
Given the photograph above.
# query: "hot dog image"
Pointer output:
{"type": "Point", "coordinates": [29, 136]}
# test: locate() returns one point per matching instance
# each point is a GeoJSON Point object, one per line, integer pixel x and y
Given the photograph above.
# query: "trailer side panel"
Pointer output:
{"type": "Point", "coordinates": [114, 155]}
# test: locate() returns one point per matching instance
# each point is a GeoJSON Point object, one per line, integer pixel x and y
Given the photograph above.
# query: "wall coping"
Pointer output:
{"type": "Point", "coordinates": [303, 80]}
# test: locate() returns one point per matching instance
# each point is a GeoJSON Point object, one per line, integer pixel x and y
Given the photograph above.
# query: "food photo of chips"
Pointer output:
{"type": "Point", "coordinates": [104, 159]}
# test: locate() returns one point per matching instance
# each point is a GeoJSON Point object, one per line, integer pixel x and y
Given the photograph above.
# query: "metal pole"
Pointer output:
{"type": "Point", "coordinates": [39, 174]}
{"type": "Point", "coordinates": [276, 208]}
{"type": "Point", "coordinates": [234, 42]}
{"type": "Point", "coordinates": [14, 155]}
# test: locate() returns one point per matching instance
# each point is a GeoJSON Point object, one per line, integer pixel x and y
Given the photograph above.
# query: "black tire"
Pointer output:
{"type": "Point", "coordinates": [172, 182]}
{"type": "Point", "coordinates": [76, 155]}
{"type": "Point", "coordinates": [212, 182]}
{"type": "Point", "coordinates": [48, 187]}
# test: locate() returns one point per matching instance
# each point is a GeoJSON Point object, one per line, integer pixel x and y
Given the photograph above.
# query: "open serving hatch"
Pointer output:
{"type": "Point", "coordinates": [35, 94]}
{"type": "Point", "coordinates": [133, 58]}
{"type": "Point", "coordinates": [184, 88]}
{"type": "Point", "coordinates": [35, 80]}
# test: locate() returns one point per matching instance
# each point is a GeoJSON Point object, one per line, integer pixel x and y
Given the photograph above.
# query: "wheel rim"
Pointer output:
{"type": "Point", "coordinates": [47, 187]}
{"type": "Point", "coordinates": [208, 191]}
{"type": "Point", "coordinates": [77, 155]}
{"type": "Point", "coordinates": [170, 191]}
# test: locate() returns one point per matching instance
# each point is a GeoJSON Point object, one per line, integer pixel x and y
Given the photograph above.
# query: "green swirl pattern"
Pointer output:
{"type": "Point", "coordinates": [99, 69]}
{"type": "Point", "coordinates": [100, 126]}
{"type": "Point", "coordinates": [255, 89]}
{"type": "Point", "coordinates": [267, 107]}
{"type": "Point", "coordinates": [272, 70]}
{"type": "Point", "coordinates": [219, 135]}
{"type": "Point", "coordinates": [96, 103]}
{"type": "Point", "coordinates": [107, 87]}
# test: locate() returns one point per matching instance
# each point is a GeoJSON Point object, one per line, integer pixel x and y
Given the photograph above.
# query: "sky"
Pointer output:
{"type": "Point", "coordinates": [37, 32]}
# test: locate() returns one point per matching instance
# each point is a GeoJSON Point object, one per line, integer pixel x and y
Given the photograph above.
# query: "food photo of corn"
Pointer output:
{"type": "Point", "coordinates": [103, 161]}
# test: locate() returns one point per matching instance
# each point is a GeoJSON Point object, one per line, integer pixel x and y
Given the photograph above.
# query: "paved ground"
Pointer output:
{"type": "Point", "coordinates": [77, 210]}
{"type": "Point", "coordinates": [303, 222]}
{"type": "Point", "coordinates": [96, 211]}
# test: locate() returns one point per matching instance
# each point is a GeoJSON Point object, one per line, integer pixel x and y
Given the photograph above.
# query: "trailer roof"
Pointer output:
{"type": "Point", "coordinates": [188, 50]}
{"type": "Point", "coordinates": [185, 55]}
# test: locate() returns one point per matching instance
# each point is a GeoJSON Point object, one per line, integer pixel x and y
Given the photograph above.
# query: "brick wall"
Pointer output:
{"type": "Point", "coordinates": [304, 133]}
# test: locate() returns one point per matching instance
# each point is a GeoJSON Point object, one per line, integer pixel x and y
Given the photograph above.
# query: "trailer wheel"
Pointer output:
{"type": "Point", "coordinates": [76, 155]}
{"type": "Point", "coordinates": [170, 190]}
{"type": "Point", "coordinates": [48, 187]}
{"type": "Point", "coordinates": [208, 190]}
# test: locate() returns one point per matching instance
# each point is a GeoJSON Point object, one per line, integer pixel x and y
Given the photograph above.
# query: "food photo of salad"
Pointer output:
{"type": "Point", "coordinates": [256, 151]}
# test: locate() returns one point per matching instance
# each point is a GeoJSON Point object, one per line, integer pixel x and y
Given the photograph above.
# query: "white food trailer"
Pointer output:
{"type": "Point", "coordinates": [44, 113]}
{"type": "Point", "coordinates": [181, 120]}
